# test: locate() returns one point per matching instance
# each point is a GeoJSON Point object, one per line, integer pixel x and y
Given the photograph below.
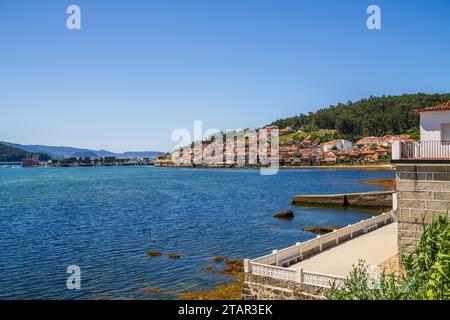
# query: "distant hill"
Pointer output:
{"type": "Point", "coordinates": [10, 154]}
{"type": "Point", "coordinates": [141, 154]}
{"type": "Point", "coordinates": [58, 152]}
{"type": "Point", "coordinates": [375, 116]}
{"type": "Point", "coordinates": [85, 154]}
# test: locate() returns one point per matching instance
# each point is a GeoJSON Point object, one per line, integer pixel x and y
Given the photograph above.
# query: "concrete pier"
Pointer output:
{"type": "Point", "coordinates": [374, 248]}
{"type": "Point", "coordinates": [375, 199]}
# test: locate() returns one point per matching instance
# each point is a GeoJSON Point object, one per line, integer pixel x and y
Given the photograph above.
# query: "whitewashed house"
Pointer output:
{"type": "Point", "coordinates": [434, 141]}
{"type": "Point", "coordinates": [341, 145]}
{"type": "Point", "coordinates": [435, 123]}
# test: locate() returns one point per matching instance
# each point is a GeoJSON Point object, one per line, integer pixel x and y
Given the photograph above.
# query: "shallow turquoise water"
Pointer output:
{"type": "Point", "coordinates": [105, 219]}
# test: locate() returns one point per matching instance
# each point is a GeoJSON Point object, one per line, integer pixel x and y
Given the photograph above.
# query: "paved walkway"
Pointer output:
{"type": "Point", "coordinates": [374, 247]}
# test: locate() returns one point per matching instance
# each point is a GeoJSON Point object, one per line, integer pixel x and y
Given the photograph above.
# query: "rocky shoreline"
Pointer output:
{"type": "Point", "coordinates": [228, 291]}
{"type": "Point", "coordinates": [234, 267]}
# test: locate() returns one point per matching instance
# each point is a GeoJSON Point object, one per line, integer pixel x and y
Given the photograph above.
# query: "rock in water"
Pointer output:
{"type": "Point", "coordinates": [154, 253]}
{"type": "Point", "coordinates": [285, 214]}
{"type": "Point", "coordinates": [153, 291]}
{"type": "Point", "coordinates": [174, 256]}
{"type": "Point", "coordinates": [219, 259]}
{"type": "Point", "coordinates": [234, 266]}
{"type": "Point", "coordinates": [321, 230]}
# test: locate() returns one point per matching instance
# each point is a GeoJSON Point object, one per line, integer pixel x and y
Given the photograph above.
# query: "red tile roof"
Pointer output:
{"type": "Point", "coordinates": [442, 107]}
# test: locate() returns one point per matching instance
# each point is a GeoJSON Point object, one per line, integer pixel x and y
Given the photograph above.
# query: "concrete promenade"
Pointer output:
{"type": "Point", "coordinates": [374, 247]}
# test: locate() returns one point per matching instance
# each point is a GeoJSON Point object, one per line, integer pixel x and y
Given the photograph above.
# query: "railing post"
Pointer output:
{"type": "Point", "coordinates": [299, 275]}
{"type": "Point", "coordinates": [275, 252]}
{"type": "Point", "coordinates": [418, 152]}
{"type": "Point", "coordinates": [300, 249]}
{"type": "Point", "coordinates": [394, 202]}
{"type": "Point", "coordinates": [320, 243]}
{"type": "Point", "coordinates": [351, 231]}
{"type": "Point", "coordinates": [364, 226]}
{"type": "Point", "coordinates": [247, 266]}
{"type": "Point", "coordinates": [337, 237]}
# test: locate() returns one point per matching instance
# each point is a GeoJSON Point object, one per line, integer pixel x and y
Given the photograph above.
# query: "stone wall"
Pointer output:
{"type": "Point", "coordinates": [266, 288]}
{"type": "Point", "coordinates": [423, 195]}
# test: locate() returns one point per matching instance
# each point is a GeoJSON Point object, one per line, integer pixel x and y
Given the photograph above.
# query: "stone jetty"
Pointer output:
{"type": "Point", "coordinates": [375, 199]}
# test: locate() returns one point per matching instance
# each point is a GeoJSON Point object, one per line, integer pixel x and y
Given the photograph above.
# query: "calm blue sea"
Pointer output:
{"type": "Point", "coordinates": [105, 220]}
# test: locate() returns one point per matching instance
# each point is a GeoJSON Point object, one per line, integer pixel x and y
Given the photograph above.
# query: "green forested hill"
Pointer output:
{"type": "Point", "coordinates": [374, 116]}
{"type": "Point", "coordinates": [10, 154]}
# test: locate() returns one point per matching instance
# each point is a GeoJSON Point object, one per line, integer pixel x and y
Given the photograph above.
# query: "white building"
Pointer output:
{"type": "Point", "coordinates": [435, 123]}
{"type": "Point", "coordinates": [434, 136]}
{"type": "Point", "coordinates": [422, 175]}
{"type": "Point", "coordinates": [341, 145]}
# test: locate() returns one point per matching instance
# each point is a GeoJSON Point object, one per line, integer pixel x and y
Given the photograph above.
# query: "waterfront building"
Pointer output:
{"type": "Point", "coordinates": [342, 145]}
{"type": "Point", "coordinates": [423, 175]}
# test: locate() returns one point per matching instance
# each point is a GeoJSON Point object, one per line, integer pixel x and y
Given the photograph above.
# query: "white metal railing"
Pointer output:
{"type": "Point", "coordinates": [421, 150]}
{"type": "Point", "coordinates": [273, 265]}
{"type": "Point", "coordinates": [274, 272]}
{"type": "Point", "coordinates": [322, 279]}
{"type": "Point", "coordinates": [297, 275]}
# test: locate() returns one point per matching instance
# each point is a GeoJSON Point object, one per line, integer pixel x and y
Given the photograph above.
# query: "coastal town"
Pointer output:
{"type": "Point", "coordinates": [367, 150]}
{"type": "Point", "coordinates": [300, 149]}
{"type": "Point", "coordinates": [296, 149]}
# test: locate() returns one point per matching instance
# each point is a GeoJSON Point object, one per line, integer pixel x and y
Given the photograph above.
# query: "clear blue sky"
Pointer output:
{"type": "Point", "coordinates": [137, 70]}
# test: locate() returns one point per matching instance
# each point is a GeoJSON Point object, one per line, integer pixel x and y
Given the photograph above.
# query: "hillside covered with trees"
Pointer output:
{"type": "Point", "coordinates": [10, 154]}
{"type": "Point", "coordinates": [375, 116]}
